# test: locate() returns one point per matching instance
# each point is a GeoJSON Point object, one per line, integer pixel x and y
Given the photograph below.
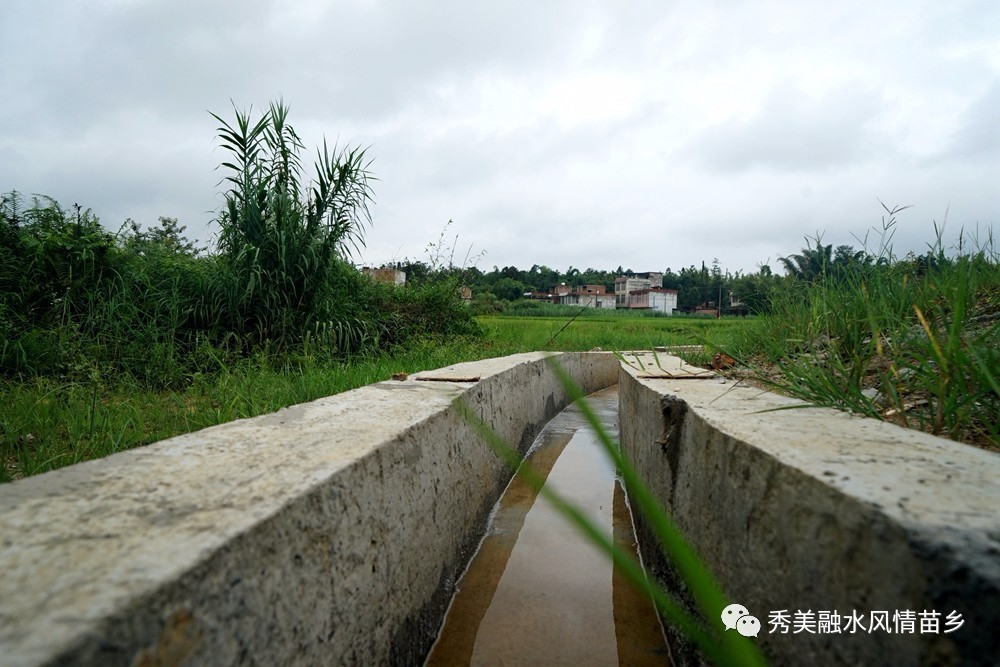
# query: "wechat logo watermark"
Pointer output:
{"type": "Point", "coordinates": [738, 617]}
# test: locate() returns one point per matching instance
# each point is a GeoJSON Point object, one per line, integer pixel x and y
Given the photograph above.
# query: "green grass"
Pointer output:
{"type": "Point", "coordinates": [913, 341]}
{"type": "Point", "coordinates": [609, 332]}
{"type": "Point", "coordinates": [49, 423]}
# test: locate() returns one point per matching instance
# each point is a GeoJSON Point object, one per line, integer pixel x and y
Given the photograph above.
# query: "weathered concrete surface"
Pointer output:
{"type": "Point", "coordinates": [816, 510]}
{"type": "Point", "coordinates": [327, 533]}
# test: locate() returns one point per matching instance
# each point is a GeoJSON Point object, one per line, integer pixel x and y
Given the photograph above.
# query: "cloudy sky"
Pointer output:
{"type": "Point", "coordinates": [588, 134]}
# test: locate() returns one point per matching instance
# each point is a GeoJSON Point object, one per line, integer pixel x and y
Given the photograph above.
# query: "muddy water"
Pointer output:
{"type": "Point", "coordinates": [537, 593]}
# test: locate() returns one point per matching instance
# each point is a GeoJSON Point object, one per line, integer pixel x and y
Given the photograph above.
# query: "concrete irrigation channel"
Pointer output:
{"type": "Point", "coordinates": [336, 532]}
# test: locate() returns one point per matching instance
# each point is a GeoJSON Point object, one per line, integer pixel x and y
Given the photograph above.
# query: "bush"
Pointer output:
{"type": "Point", "coordinates": [432, 308]}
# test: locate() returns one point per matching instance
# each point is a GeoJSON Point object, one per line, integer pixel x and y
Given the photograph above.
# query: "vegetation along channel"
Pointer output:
{"type": "Point", "coordinates": [115, 335]}
{"type": "Point", "coordinates": [537, 592]}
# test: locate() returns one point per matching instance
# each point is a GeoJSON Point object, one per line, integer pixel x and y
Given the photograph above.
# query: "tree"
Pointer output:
{"type": "Point", "coordinates": [168, 236]}
{"type": "Point", "coordinates": [573, 276]}
{"type": "Point", "coordinates": [755, 290]}
{"type": "Point", "coordinates": [547, 278]}
{"type": "Point", "coordinates": [509, 289]}
{"type": "Point", "coordinates": [810, 264]}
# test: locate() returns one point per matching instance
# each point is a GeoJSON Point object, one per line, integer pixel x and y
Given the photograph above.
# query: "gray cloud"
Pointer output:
{"type": "Point", "coordinates": [594, 135]}
{"type": "Point", "coordinates": [978, 135]}
{"type": "Point", "coordinates": [794, 133]}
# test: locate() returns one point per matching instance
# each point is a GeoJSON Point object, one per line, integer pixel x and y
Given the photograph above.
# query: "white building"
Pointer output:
{"type": "Point", "coordinates": [657, 299]}
{"type": "Point", "coordinates": [592, 300]}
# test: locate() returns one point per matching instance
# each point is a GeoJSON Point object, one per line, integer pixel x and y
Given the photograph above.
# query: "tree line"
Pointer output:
{"type": "Point", "coordinates": [696, 285]}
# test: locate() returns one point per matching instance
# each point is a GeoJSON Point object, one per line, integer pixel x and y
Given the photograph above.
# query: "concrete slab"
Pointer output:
{"type": "Point", "coordinates": [326, 533]}
{"type": "Point", "coordinates": [815, 510]}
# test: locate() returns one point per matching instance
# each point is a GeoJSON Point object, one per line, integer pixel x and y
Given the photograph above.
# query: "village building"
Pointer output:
{"type": "Point", "coordinates": [737, 306]}
{"type": "Point", "coordinates": [657, 299]}
{"type": "Point", "coordinates": [641, 291]}
{"type": "Point", "coordinates": [594, 296]}
{"type": "Point", "coordinates": [387, 276]}
{"type": "Point", "coordinates": [559, 290]}
{"type": "Point", "coordinates": [554, 295]}
{"type": "Point", "coordinates": [625, 285]}
{"type": "Point", "coordinates": [706, 308]}
{"type": "Point", "coordinates": [711, 308]}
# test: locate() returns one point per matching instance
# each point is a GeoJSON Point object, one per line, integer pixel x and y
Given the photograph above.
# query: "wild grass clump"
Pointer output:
{"type": "Point", "coordinates": [76, 300]}
{"type": "Point", "coordinates": [912, 340]}
{"type": "Point", "coordinates": [430, 309]}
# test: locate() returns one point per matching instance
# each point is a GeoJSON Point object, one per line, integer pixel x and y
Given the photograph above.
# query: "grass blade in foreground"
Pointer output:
{"type": "Point", "coordinates": [719, 648]}
{"type": "Point", "coordinates": [736, 649]}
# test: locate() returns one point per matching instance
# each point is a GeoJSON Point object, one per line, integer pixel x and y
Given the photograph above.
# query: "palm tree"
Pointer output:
{"type": "Point", "coordinates": [573, 276]}
{"type": "Point", "coordinates": [810, 264]}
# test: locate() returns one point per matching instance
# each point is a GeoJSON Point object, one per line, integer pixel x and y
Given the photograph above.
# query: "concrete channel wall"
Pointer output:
{"type": "Point", "coordinates": [814, 510]}
{"type": "Point", "coordinates": [333, 532]}
{"type": "Point", "coordinates": [327, 533]}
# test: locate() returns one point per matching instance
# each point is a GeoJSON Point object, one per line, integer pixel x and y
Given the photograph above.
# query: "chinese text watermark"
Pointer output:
{"type": "Point", "coordinates": [783, 621]}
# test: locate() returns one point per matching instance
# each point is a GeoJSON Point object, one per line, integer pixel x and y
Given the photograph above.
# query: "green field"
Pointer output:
{"type": "Point", "coordinates": [48, 423]}
{"type": "Point", "coordinates": [609, 332]}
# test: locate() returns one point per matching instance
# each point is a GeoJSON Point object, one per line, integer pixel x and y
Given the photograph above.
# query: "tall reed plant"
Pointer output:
{"type": "Point", "coordinates": [284, 239]}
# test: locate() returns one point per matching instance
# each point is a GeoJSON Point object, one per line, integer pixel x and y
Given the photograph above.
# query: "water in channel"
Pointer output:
{"type": "Point", "coordinates": [536, 592]}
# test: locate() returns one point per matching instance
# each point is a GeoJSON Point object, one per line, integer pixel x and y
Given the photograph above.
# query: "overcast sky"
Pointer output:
{"type": "Point", "coordinates": [587, 134]}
